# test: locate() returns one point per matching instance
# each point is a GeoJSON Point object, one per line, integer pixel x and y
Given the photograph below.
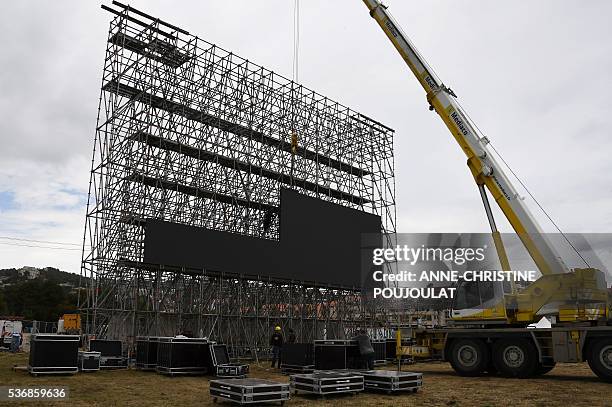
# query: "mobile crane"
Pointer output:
{"type": "Point", "coordinates": [491, 333]}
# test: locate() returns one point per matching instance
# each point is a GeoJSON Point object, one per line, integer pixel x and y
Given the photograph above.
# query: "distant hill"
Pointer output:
{"type": "Point", "coordinates": [41, 294]}
{"type": "Point", "coordinates": [51, 274]}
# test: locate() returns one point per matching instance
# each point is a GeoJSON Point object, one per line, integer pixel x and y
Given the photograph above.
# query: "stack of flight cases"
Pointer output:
{"type": "Point", "coordinates": [247, 391]}
{"type": "Point", "coordinates": [331, 354]}
{"type": "Point", "coordinates": [89, 361]}
{"type": "Point", "coordinates": [297, 358]}
{"type": "Point", "coordinates": [146, 352]}
{"type": "Point", "coordinates": [390, 381]}
{"type": "Point", "coordinates": [329, 382]}
{"type": "Point", "coordinates": [219, 363]}
{"type": "Point", "coordinates": [53, 354]}
{"type": "Point", "coordinates": [111, 353]}
{"type": "Point", "coordinates": [182, 356]}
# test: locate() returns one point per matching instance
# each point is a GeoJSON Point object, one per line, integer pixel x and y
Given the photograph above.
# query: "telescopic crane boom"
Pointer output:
{"type": "Point", "coordinates": [480, 160]}
{"type": "Point", "coordinates": [487, 172]}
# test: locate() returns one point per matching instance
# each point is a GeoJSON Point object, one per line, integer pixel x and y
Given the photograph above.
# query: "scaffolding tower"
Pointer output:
{"type": "Point", "coordinates": [190, 133]}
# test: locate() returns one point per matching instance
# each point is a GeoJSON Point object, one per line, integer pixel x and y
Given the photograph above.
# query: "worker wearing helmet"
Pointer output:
{"type": "Point", "coordinates": [276, 341]}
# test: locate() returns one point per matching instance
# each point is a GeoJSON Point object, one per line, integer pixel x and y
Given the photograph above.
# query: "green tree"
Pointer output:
{"type": "Point", "coordinates": [3, 307]}
{"type": "Point", "coordinates": [37, 300]}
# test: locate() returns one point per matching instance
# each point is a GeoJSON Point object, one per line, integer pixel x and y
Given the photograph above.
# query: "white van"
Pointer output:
{"type": "Point", "coordinates": [7, 327]}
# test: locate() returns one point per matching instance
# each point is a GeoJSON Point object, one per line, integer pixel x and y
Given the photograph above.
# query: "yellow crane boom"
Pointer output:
{"type": "Point", "coordinates": [481, 162]}
{"type": "Point", "coordinates": [578, 286]}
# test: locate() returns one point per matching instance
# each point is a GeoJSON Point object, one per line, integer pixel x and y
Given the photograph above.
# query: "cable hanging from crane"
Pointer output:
{"type": "Point", "coordinates": [296, 39]}
{"type": "Point", "coordinates": [295, 74]}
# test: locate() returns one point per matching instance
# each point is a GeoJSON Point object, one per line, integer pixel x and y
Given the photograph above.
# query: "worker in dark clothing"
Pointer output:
{"type": "Point", "coordinates": [15, 342]}
{"type": "Point", "coordinates": [276, 341]}
{"type": "Point", "coordinates": [291, 336]}
{"type": "Point", "coordinates": [366, 351]}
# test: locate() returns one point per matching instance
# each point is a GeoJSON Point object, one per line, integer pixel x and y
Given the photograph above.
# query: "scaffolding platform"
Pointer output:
{"type": "Point", "coordinates": [190, 133]}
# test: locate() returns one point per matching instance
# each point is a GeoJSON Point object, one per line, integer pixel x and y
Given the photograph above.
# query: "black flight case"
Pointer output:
{"type": "Point", "coordinates": [219, 363]}
{"type": "Point", "coordinates": [248, 391]}
{"type": "Point", "coordinates": [390, 381]}
{"type": "Point", "coordinates": [327, 382]}
{"type": "Point", "coordinates": [53, 354]}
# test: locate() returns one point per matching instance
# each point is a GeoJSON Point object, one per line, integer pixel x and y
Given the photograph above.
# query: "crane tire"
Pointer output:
{"type": "Point", "coordinates": [469, 357]}
{"type": "Point", "coordinates": [600, 358]}
{"type": "Point", "coordinates": [515, 357]}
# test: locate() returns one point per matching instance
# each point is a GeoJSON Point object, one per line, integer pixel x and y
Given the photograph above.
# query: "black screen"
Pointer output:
{"type": "Point", "coordinates": [319, 242]}
{"type": "Point", "coordinates": [106, 347]}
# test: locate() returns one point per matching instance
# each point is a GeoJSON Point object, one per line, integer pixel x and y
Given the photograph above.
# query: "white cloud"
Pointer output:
{"type": "Point", "coordinates": [48, 205]}
{"type": "Point", "coordinates": [534, 75]}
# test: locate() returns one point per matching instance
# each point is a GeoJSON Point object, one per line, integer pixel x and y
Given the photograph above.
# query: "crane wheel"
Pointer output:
{"type": "Point", "coordinates": [515, 357]}
{"type": "Point", "coordinates": [600, 359]}
{"type": "Point", "coordinates": [469, 357]}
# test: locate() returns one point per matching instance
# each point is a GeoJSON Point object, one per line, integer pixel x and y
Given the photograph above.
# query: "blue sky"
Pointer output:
{"type": "Point", "coordinates": [7, 201]}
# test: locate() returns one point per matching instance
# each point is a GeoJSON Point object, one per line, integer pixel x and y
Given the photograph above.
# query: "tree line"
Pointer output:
{"type": "Point", "coordinates": [37, 299]}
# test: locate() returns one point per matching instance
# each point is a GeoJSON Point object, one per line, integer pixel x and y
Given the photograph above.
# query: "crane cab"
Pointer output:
{"type": "Point", "coordinates": [480, 301]}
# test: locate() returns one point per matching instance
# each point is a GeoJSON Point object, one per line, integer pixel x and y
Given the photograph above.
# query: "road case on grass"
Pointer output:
{"type": "Point", "coordinates": [146, 352]}
{"type": "Point", "coordinates": [89, 361]}
{"type": "Point", "coordinates": [380, 351]}
{"type": "Point", "coordinates": [182, 356]}
{"type": "Point", "coordinates": [111, 353]}
{"type": "Point", "coordinates": [106, 347]}
{"type": "Point", "coordinates": [113, 362]}
{"type": "Point", "coordinates": [219, 363]}
{"type": "Point", "coordinates": [53, 354]}
{"type": "Point", "coordinates": [249, 391]}
{"type": "Point", "coordinates": [295, 369]}
{"type": "Point", "coordinates": [391, 381]}
{"type": "Point", "coordinates": [297, 358]}
{"type": "Point", "coordinates": [327, 382]}
{"type": "Point", "coordinates": [336, 354]}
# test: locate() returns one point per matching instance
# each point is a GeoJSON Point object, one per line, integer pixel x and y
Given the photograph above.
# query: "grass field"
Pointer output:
{"type": "Point", "coordinates": [567, 385]}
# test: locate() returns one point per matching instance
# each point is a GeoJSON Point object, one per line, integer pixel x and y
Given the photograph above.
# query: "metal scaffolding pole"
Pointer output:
{"type": "Point", "coordinates": [190, 133]}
